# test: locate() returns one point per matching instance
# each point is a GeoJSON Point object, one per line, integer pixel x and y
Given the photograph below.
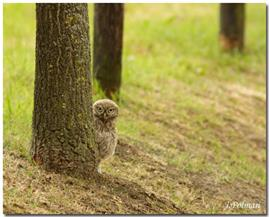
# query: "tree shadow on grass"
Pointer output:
{"type": "Point", "coordinates": [134, 197]}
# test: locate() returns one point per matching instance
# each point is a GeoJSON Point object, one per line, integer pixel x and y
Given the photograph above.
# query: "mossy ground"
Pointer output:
{"type": "Point", "coordinates": [192, 118]}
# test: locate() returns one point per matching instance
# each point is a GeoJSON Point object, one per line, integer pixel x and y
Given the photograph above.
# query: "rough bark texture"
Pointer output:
{"type": "Point", "coordinates": [62, 134]}
{"type": "Point", "coordinates": [232, 25]}
{"type": "Point", "coordinates": [108, 38]}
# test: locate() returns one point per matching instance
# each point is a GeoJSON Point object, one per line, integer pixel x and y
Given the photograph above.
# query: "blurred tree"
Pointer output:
{"type": "Point", "coordinates": [62, 133]}
{"type": "Point", "coordinates": [108, 39]}
{"type": "Point", "coordinates": [232, 25]}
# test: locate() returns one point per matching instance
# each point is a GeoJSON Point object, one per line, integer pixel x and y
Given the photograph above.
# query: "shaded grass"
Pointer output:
{"type": "Point", "coordinates": [194, 117]}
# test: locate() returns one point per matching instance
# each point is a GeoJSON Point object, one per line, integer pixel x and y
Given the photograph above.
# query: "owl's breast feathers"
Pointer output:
{"type": "Point", "coordinates": [106, 138]}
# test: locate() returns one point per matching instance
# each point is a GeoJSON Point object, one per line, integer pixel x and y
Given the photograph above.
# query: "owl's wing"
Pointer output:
{"type": "Point", "coordinates": [98, 137]}
{"type": "Point", "coordinates": [101, 141]}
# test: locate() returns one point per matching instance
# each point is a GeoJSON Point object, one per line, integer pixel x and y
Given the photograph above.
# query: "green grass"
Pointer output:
{"type": "Point", "coordinates": [184, 103]}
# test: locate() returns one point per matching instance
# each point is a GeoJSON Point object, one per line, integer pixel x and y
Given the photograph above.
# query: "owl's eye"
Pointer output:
{"type": "Point", "coordinates": [110, 110]}
{"type": "Point", "coordinates": [99, 109]}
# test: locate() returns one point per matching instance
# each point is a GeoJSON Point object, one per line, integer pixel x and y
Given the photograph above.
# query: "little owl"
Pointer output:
{"type": "Point", "coordinates": [105, 113]}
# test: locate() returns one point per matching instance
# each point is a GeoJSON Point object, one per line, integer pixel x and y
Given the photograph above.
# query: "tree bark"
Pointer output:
{"type": "Point", "coordinates": [232, 26]}
{"type": "Point", "coordinates": [108, 39]}
{"type": "Point", "coordinates": [62, 130]}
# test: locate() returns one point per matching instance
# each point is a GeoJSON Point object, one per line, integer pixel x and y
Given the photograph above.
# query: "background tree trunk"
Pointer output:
{"type": "Point", "coordinates": [108, 39]}
{"type": "Point", "coordinates": [232, 25]}
{"type": "Point", "coordinates": [62, 131]}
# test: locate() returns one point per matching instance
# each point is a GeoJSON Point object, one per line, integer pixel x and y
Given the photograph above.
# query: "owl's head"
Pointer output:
{"type": "Point", "coordinates": [105, 109]}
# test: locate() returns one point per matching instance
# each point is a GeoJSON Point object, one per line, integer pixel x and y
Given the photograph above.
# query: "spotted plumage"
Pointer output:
{"type": "Point", "coordinates": [105, 114]}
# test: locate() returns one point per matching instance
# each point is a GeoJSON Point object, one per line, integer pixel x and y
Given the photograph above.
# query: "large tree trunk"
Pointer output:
{"type": "Point", "coordinates": [232, 25]}
{"type": "Point", "coordinates": [108, 39]}
{"type": "Point", "coordinates": [62, 138]}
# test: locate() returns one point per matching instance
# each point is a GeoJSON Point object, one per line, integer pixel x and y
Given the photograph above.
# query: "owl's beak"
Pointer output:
{"type": "Point", "coordinates": [105, 116]}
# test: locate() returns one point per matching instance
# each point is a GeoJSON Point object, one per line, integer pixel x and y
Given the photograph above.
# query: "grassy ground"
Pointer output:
{"type": "Point", "coordinates": [192, 119]}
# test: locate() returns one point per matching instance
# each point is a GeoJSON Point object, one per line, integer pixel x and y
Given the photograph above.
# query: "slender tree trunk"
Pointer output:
{"type": "Point", "coordinates": [232, 26]}
{"type": "Point", "coordinates": [62, 134]}
{"type": "Point", "coordinates": [108, 39]}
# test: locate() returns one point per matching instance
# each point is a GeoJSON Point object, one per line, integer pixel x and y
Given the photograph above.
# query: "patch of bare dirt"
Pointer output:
{"type": "Point", "coordinates": [28, 190]}
{"type": "Point", "coordinates": [237, 191]}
